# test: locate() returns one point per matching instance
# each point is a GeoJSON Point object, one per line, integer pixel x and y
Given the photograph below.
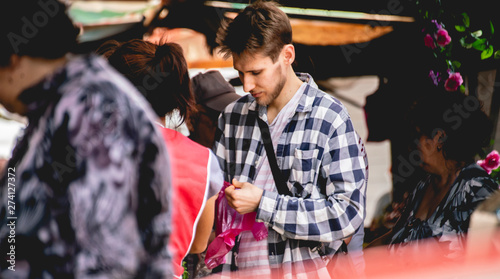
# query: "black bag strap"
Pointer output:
{"type": "Point", "coordinates": [268, 145]}
{"type": "Point", "coordinates": [277, 175]}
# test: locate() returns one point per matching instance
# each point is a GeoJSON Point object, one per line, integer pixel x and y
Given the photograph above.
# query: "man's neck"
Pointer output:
{"type": "Point", "coordinates": [292, 84]}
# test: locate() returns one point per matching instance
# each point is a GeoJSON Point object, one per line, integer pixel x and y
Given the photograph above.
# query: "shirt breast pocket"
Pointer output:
{"type": "Point", "coordinates": [303, 172]}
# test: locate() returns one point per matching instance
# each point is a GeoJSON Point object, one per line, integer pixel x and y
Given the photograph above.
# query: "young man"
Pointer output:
{"type": "Point", "coordinates": [317, 150]}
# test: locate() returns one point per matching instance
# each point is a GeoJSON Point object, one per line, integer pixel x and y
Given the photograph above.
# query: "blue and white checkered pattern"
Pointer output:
{"type": "Point", "coordinates": [326, 165]}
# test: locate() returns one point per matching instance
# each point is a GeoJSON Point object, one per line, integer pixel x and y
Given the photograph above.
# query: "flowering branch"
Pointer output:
{"type": "Point", "coordinates": [474, 39]}
{"type": "Point", "coordinates": [439, 41]}
{"type": "Point", "coordinates": [491, 164]}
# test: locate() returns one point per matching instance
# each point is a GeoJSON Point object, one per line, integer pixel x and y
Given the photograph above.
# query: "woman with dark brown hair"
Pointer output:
{"type": "Point", "coordinates": [447, 130]}
{"type": "Point", "coordinates": [160, 72]}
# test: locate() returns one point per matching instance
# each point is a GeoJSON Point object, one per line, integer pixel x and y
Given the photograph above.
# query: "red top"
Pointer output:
{"type": "Point", "coordinates": [190, 180]}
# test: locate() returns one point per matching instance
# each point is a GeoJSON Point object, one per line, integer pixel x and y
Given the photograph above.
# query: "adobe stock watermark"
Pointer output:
{"type": "Point", "coordinates": [394, 7]}
{"type": "Point", "coordinates": [152, 80]}
{"type": "Point", "coordinates": [11, 218]}
{"type": "Point", "coordinates": [31, 26]}
{"type": "Point", "coordinates": [453, 116]}
{"type": "Point", "coordinates": [92, 144]}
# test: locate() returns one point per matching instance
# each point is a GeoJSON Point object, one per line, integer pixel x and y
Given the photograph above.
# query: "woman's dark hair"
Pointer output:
{"type": "Point", "coordinates": [467, 128]}
{"type": "Point", "coordinates": [160, 73]}
{"type": "Point", "coordinates": [35, 28]}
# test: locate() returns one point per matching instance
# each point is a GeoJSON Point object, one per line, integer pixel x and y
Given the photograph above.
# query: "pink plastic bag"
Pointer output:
{"type": "Point", "coordinates": [229, 224]}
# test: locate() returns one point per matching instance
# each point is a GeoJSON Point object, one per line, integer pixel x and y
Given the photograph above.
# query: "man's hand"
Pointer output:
{"type": "Point", "coordinates": [244, 197]}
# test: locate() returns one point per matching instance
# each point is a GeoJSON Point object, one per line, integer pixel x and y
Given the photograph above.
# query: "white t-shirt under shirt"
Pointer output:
{"type": "Point", "coordinates": [253, 256]}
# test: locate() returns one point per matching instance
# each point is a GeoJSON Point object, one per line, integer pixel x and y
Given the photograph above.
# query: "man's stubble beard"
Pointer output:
{"type": "Point", "coordinates": [276, 91]}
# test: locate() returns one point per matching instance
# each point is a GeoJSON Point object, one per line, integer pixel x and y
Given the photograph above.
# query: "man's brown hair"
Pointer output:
{"type": "Point", "coordinates": [260, 27]}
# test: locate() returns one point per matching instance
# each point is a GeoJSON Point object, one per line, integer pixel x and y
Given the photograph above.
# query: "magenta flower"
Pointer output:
{"type": "Point", "coordinates": [429, 41]}
{"type": "Point", "coordinates": [435, 77]}
{"type": "Point", "coordinates": [453, 82]}
{"type": "Point", "coordinates": [438, 25]}
{"type": "Point", "coordinates": [442, 37]}
{"type": "Point", "coordinates": [491, 162]}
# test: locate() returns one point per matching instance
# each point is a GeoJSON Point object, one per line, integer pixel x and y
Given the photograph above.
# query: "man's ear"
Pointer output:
{"type": "Point", "coordinates": [289, 54]}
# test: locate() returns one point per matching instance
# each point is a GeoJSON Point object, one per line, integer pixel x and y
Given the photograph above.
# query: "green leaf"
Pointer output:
{"type": "Point", "coordinates": [466, 19]}
{"type": "Point", "coordinates": [462, 88]}
{"type": "Point", "coordinates": [185, 275]}
{"type": "Point", "coordinates": [495, 174]}
{"type": "Point", "coordinates": [460, 28]}
{"type": "Point", "coordinates": [456, 64]}
{"type": "Point", "coordinates": [492, 28]}
{"type": "Point", "coordinates": [497, 54]}
{"type": "Point", "coordinates": [479, 44]}
{"type": "Point", "coordinates": [487, 53]}
{"type": "Point", "coordinates": [477, 34]}
{"type": "Point", "coordinates": [464, 44]}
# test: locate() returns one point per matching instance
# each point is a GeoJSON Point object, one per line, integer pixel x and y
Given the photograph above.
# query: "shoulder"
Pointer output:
{"type": "Point", "coordinates": [92, 84]}
{"type": "Point", "coordinates": [315, 97]}
{"type": "Point", "coordinates": [476, 181]}
{"type": "Point", "coordinates": [93, 75]}
{"type": "Point", "coordinates": [334, 105]}
{"type": "Point", "coordinates": [182, 143]}
{"type": "Point", "coordinates": [328, 114]}
{"type": "Point", "coordinates": [239, 108]}
{"type": "Point", "coordinates": [323, 104]}
{"type": "Point", "coordinates": [100, 103]}
{"type": "Point", "coordinates": [241, 105]}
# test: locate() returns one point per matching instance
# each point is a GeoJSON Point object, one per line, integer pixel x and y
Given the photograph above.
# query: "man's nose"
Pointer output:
{"type": "Point", "coordinates": [248, 83]}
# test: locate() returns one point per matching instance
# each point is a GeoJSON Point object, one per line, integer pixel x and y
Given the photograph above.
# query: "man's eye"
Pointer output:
{"type": "Point", "coordinates": [255, 73]}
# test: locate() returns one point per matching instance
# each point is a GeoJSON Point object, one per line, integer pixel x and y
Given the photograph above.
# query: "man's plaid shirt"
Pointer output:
{"type": "Point", "coordinates": [325, 162]}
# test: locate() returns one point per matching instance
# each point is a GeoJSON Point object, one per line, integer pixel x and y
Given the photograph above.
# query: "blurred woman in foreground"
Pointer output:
{"type": "Point", "coordinates": [86, 191]}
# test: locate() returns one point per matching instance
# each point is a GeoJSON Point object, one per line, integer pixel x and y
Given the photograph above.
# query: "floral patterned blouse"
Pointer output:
{"type": "Point", "coordinates": [450, 221]}
{"type": "Point", "coordinates": [86, 192]}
